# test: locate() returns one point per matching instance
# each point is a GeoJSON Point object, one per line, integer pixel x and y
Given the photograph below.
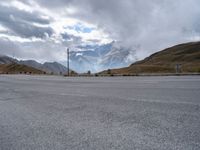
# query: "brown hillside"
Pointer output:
{"type": "Point", "coordinates": [18, 69]}
{"type": "Point", "coordinates": [187, 55]}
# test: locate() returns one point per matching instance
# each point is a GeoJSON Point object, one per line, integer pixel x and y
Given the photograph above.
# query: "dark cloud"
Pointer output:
{"type": "Point", "coordinates": [22, 22]}
{"type": "Point", "coordinates": [55, 3]}
{"type": "Point", "coordinates": [68, 37]}
{"type": "Point", "coordinates": [153, 24]}
{"type": "Point", "coordinates": [72, 41]}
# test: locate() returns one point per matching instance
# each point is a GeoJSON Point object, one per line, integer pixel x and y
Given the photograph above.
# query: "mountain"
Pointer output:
{"type": "Point", "coordinates": [54, 67]}
{"type": "Point", "coordinates": [48, 67]}
{"type": "Point", "coordinates": [180, 58]}
{"type": "Point", "coordinates": [99, 57]}
{"type": "Point", "coordinates": [31, 63]}
{"type": "Point", "coordinates": [7, 60]}
{"type": "Point", "coordinates": [13, 68]}
{"type": "Point", "coordinates": [116, 57]}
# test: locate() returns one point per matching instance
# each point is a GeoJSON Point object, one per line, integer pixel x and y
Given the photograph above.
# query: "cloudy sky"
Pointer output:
{"type": "Point", "coordinates": [43, 29]}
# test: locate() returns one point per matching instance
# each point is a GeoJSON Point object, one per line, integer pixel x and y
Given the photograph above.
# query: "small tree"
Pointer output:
{"type": "Point", "coordinates": [72, 73]}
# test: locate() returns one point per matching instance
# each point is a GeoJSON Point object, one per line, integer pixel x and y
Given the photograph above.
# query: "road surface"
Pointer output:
{"type": "Point", "coordinates": [118, 113]}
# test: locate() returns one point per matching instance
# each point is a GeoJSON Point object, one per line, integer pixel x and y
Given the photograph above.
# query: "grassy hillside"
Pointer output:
{"type": "Point", "coordinates": [186, 55]}
{"type": "Point", "coordinates": [18, 69]}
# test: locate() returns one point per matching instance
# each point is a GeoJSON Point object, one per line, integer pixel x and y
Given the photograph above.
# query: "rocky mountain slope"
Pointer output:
{"type": "Point", "coordinates": [48, 67]}
{"type": "Point", "coordinates": [15, 68]}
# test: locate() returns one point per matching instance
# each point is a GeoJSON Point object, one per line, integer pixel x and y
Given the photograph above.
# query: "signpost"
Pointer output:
{"type": "Point", "coordinates": [178, 68]}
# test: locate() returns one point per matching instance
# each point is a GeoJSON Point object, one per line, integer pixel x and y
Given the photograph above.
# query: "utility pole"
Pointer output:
{"type": "Point", "coordinates": [68, 61]}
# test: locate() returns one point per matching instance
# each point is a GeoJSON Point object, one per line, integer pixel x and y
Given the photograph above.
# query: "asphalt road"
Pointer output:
{"type": "Point", "coordinates": [119, 113]}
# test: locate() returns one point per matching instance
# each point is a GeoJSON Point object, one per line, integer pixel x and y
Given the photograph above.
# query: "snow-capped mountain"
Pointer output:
{"type": "Point", "coordinates": [97, 58]}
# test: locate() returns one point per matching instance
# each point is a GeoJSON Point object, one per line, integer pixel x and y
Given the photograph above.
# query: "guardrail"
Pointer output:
{"type": "Point", "coordinates": [139, 74]}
